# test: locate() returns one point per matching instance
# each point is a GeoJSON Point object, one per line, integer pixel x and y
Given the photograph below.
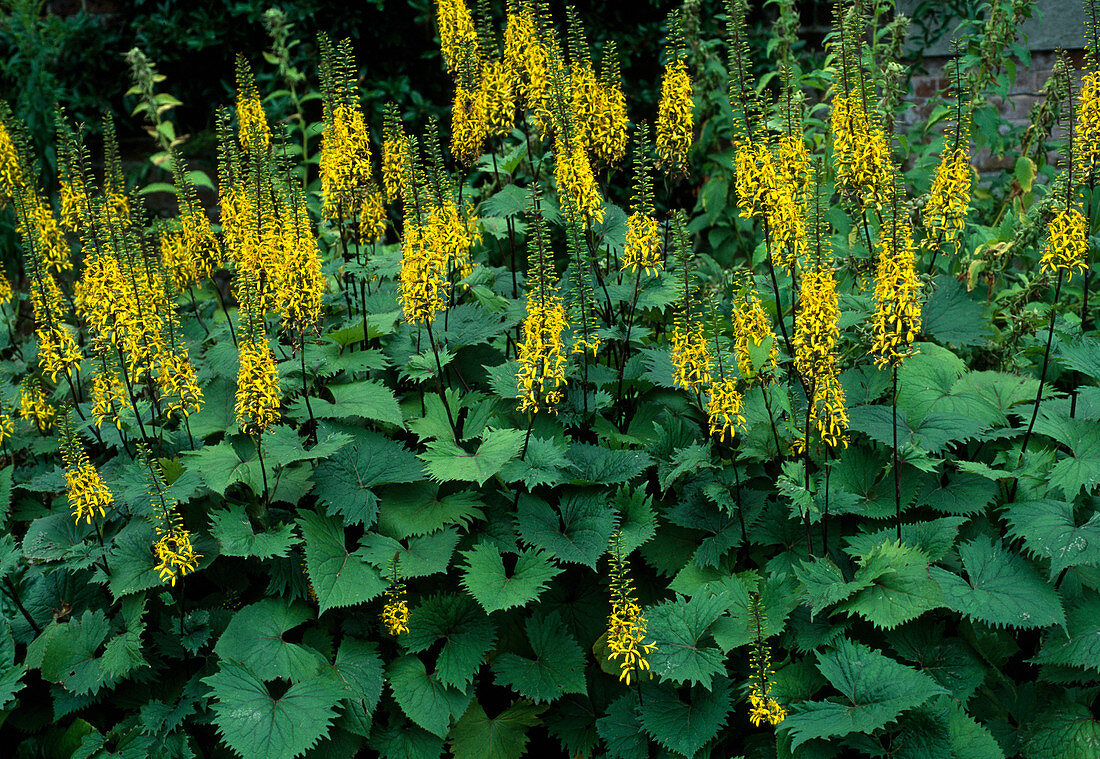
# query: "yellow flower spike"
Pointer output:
{"type": "Point", "coordinates": [35, 405]}
{"type": "Point", "coordinates": [108, 397]}
{"type": "Point", "coordinates": [1087, 145]}
{"type": "Point", "coordinates": [861, 152]}
{"type": "Point", "coordinates": [175, 555]}
{"type": "Point", "coordinates": [724, 410]}
{"type": "Point", "coordinates": [345, 161]}
{"type": "Point", "coordinates": [89, 496]}
{"type": "Point", "coordinates": [395, 612]}
{"type": "Point", "coordinates": [643, 244]}
{"type": "Point", "coordinates": [468, 124]}
{"type": "Point", "coordinates": [1066, 250]}
{"type": "Point", "coordinates": [626, 627]}
{"type": "Point", "coordinates": [752, 327]}
{"type": "Point", "coordinates": [457, 34]}
{"type": "Point", "coordinates": [257, 400]}
{"type": "Point", "coordinates": [675, 119]}
{"type": "Point", "coordinates": [498, 98]}
{"type": "Point", "coordinates": [691, 356]}
{"type": "Point", "coordinates": [542, 353]}
{"type": "Point", "coordinates": [395, 155]}
{"type": "Point", "coordinates": [11, 172]}
{"type": "Point", "coordinates": [897, 317]}
{"type": "Point", "coordinates": [575, 181]}
{"type": "Point", "coordinates": [949, 198]}
{"type": "Point", "coordinates": [255, 133]}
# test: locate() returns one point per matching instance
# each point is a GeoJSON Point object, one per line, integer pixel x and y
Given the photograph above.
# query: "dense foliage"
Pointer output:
{"type": "Point", "coordinates": [755, 425]}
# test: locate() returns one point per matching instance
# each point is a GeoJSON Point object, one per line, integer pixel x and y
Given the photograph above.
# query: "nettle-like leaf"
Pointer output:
{"type": "Point", "coordinates": [70, 655]}
{"type": "Point", "coordinates": [425, 555]}
{"type": "Point", "coordinates": [557, 666]}
{"type": "Point", "coordinates": [226, 464]}
{"type": "Point", "coordinates": [478, 736]}
{"type": "Point", "coordinates": [365, 399]}
{"type": "Point", "coordinates": [447, 462]}
{"type": "Point", "coordinates": [233, 530]}
{"type": "Point", "coordinates": [933, 434]}
{"type": "Point", "coordinates": [423, 697]}
{"type": "Point", "coordinates": [968, 738]}
{"type": "Point", "coordinates": [133, 566]}
{"type": "Point", "coordinates": [282, 447]}
{"type": "Point", "coordinates": [1067, 732]}
{"type": "Point", "coordinates": [1081, 470]}
{"type": "Point", "coordinates": [359, 667]}
{"type": "Point", "coordinates": [620, 728]}
{"type": "Point", "coordinates": [575, 531]}
{"type": "Point", "coordinates": [597, 465]}
{"type": "Point", "coordinates": [933, 537]}
{"type": "Point", "coordinates": [11, 673]}
{"type": "Point", "coordinates": [679, 628]}
{"type": "Point", "coordinates": [898, 586]}
{"type": "Point", "coordinates": [350, 475]}
{"type": "Point", "coordinates": [1050, 531]}
{"type": "Point", "coordinates": [952, 316]}
{"type": "Point", "coordinates": [545, 463]}
{"type": "Point", "coordinates": [685, 726]}
{"type": "Point", "coordinates": [418, 509]}
{"type": "Point", "coordinates": [1003, 589]}
{"type": "Point", "coordinates": [494, 587]}
{"type": "Point", "coordinates": [254, 639]}
{"type": "Point", "coordinates": [464, 631]}
{"type": "Point", "coordinates": [405, 740]}
{"type": "Point", "coordinates": [1079, 645]}
{"type": "Point", "coordinates": [876, 690]}
{"type": "Point", "coordinates": [258, 724]}
{"type": "Point", "coordinates": [339, 577]}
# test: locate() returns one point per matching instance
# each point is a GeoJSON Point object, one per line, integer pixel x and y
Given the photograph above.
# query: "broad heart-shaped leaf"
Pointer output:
{"type": "Point", "coordinates": [1003, 590]}
{"type": "Point", "coordinates": [133, 567]}
{"type": "Point", "coordinates": [234, 533]}
{"type": "Point", "coordinates": [447, 462]}
{"type": "Point", "coordinates": [70, 654]}
{"type": "Point", "coordinates": [477, 736]}
{"type": "Point", "coordinates": [418, 509]}
{"type": "Point", "coordinates": [875, 689]}
{"type": "Point", "coordinates": [678, 628]}
{"type": "Point", "coordinates": [899, 587]}
{"type": "Point", "coordinates": [576, 531]}
{"type": "Point", "coordinates": [339, 578]}
{"type": "Point", "coordinates": [424, 699]}
{"type": "Point", "coordinates": [597, 465]}
{"type": "Point", "coordinates": [543, 464]}
{"type": "Point", "coordinates": [464, 630]}
{"type": "Point", "coordinates": [952, 316]}
{"type": "Point", "coordinates": [349, 475]}
{"type": "Point", "coordinates": [685, 726]}
{"type": "Point", "coordinates": [1049, 530]}
{"type": "Point", "coordinates": [823, 583]}
{"type": "Point", "coordinates": [405, 740]}
{"type": "Point", "coordinates": [1069, 732]}
{"type": "Point", "coordinates": [425, 554]}
{"type": "Point", "coordinates": [223, 465]}
{"type": "Point", "coordinates": [254, 639]}
{"type": "Point", "coordinates": [257, 725]}
{"type": "Point", "coordinates": [556, 669]}
{"type": "Point", "coordinates": [359, 667]}
{"type": "Point", "coordinates": [1081, 648]}
{"type": "Point", "coordinates": [1082, 470]}
{"type": "Point", "coordinates": [933, 433]}
{"type": "Point", "coordinates": [366, 399]}
{"type": "Point", "coordinates": [621, 729]}
{"type": "Point", "coordinates": [281, 446]}
{"type": "Point", "coordinates": [486, 579]}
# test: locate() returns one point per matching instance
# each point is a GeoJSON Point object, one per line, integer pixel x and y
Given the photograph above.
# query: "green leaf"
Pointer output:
{"type": "Point", "coordinates": [233, 530]}
{"type": "Point", "coordinates": [964, 493]}
{"type": "Point", "coordinates": [927, 377]}
{"type": "Point", "coordinates": [544, 464]}
{"type": "Point", "coordinates": [11, 674]}
{"type": "Point", "coordinates": [1049, 530]}
{"type": "Point", "coordinates": [365, 399]}
{"type": "Point", "coordinates": [968, 738]}
{"type": "Point", "coordinates": [282, 446]}
{"type": "Point", "coordinates": [486, 579]}
{"type": "Point", "coordinates": [462, 629]}
{"type": "Point", "coordinates": [899, 587]}
{"type": "Point", "coordinates": [70, 654]}
{"type": "Point", "coordinates": [556, 668]}
{"type": "Point", "coordinates": [875, 689]}
{"type": "Point", "coordinates": [255, 636]}
{"type": "Point", "coordinates": [418, 509]}
{"type": "Point", "coordinates": [1079, 645]}
{"type": "Point", "coordinates": [1070, 732]}
{"type": "Point", "coordinates": [1082, 469]}
{"type": "Point", "coordinates": [685, 726]}
{"type": "Point", "coordinates": [352, 472]}
{"type": "Point", "coordinates": [477, 736]}
{"type": "Point", "coordinates": [447, 462]}
{"type": "Point", "coordinates": [1003, 589]}
{"type": "Point", "coordinates": [933, 537]}
{"type": "Point", "coordinates": [576, 531]}
{"type": "Point", "coordinates": [424, 699]}
{"type": "Point", "coordinates": [404, 740]}
{"type": "Point", "coordinates": [824, 584]}
{"type": "Point", "coordinates": [621, 729]}
{"type": "Point", "coordinates": [221, 466]}
{"type": "Point", "coordinates": [133, 567]}
{"type": "Point", "coordinates": [952, 316]}
{"type": "Point", "coordinates": [359, 667]}
{"type": "Point", "coordinates": [257, 725]}
{"type": "Point", "coordinates": [933, 434]}
{"type": "Point", "coordinates": [679, 628]}
{"type": "Point", "coordinates": [339, 577]}
{"type": "Point", "coordinates": [597, 465]}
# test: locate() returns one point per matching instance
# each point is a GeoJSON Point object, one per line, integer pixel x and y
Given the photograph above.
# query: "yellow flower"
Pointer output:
{"type": "Point", "coordinates": [88, 493]}
{"type": "Point", "coordinates": [753, 329]}
{"type": "Point", "coordinates": [542, 352]}
{"type": "Point", "coordinates": [108, 397]}
{"type": "Point", "coordinates": [34, 405]}
{"type": "Point", "coordinates": [861, 152]}
{"type": "Point", "coordinates": [626, 626]}
{"type": "Point", "coordinates": [691, 356]}
{"type": "Point", "coordinates": [499, 98]}
{"type": "Point", "coordinates": [345, 161]}
{"type": "Point", "coordinates": [897, 318]}
{"type": "Point", "coordinates": [177, 381]}
{"type": "Point", "coordinates": [830, 413]}
{"type": "Point", "coordinates": [395, 612]}
{"type": "Point", "coordinates": [643, 244]}
{"type": "Point", "coordinates": [1088, 120]}
{"type": "Point", "coordinates": [468, 124]}
{"type": "Point", "coordinates": [1067, 247]}
{"type": "Point", "coordinates": [816, 334]}
{"type": "Point", "coordinates": [675, 119]}
{"type": "Point", "coordinates": [58, 352]}
{"type": "Point", "coordinates": [190, 253]}
{"type": "Point", "coordinates": [724, 410]}
{"type": "Point", "coordinates": [257, 400]}
{"type": "Point", "coordinates": [525, 57]}
{"type": "Point", "coordinates": [762, 707]}
{"type": "Point", "coordinates": [575, 181]}
{"type": "Point", "coordinates": [7, 426]}
{"type": "Point", "coordinates": [949, 199]}
{"type": "Point", "coordinates": [395, 156]}
{"type": "Point", "coordinates": [11, 173]}
{"type": "Point", "coordinates": [174, 554]}
{"type": "Point", "coordinates": [457, 35]}
{"type": "Point", "coordinates": [372, 216]}
{"type": "Point", "coordinates": [772, 186]}
{"type": "Point", "coordinates": [422, 292]}
{"type": "Point", "coordinates": [255, 134]}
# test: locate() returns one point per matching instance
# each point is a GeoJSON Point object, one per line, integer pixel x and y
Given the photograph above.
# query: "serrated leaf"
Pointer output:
{"type": "Point", "coordinates": [424, 699]}
{"type": "Point", "coordinates": [339, 577]}
{"type": "Point", "coordinates": [968, 738]}
{"type": "Point", "coordinates": [365, 399]}
{"type": "Point", "coordinates": [351, 473]}
{"type": "Point", "coordinates": [418, 509]}
{"type": "Point", "coordinates": [359, 667]}
{"type": "Point", "coordinates": [233, 530]}
{"type": "Point", "coordinates": [952, 316]}
{"type": "Point", "coordinates": [933, 434]}
{"type": "Point", "coordinates": [544, 463]}
{"type": "Point", "coordinates": [254, 639]}
{"type": "Point", "coordinates": [477, 736]}
{"type": "Point", "coordinates": [597, 465]}
{"type": "Point", "coordinates": [257, 725]}
{"type": "Point", "coordinates": [405, 740]}
{"type": "Point", "coordinates": [875, 690]}
{"type": "Point", "coordinates": [485, 578]}
{"type": "Point", "coordinates": [447, 462]}
{"type": "Point", "coordinates": [1070, 732]}
{"type": "Point", "coordinates": [1049, 530]}
{"type": "Point", "coordinates": [465, 633]}
{"type": "Point", "coordinates": [621, 729]}
{"type": "Point", "coordinates": [557, 666]}
{"type": "Point", "coordinates": [221, 466]}
{"type": "Point", "coordinates": [281, 446]}
{"type": "Point", "coordinates": [679, 628]}
{"type": "Point", "coordinates": [576, 531]}
{"type": "Point", "coordinates": [133, 567]}
{"type": "Point", "coordinates": [899, 587]}
{"type": "Point", "coordinates": [824, 584]}
{"type": "Point", "coordinates": [70, 654]}
{"type": "Point", "coordinates": [1079, 645]}
{"type": "Point", "coordinates": [1003, 589]}
{"type": "Point", "coordinates": [685, 726]}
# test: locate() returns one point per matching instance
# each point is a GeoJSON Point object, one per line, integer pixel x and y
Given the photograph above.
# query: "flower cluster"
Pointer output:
{"type": "Point", "coordinates": [861, 152]}
{"type": "Point", "coordinates": [1066, 249]}
{"type": "Point", "coordinates": [541, 352]}
{"type": "Point", "coordinates": [626, 626]}
{"type": "Point", "coordinates": [89, 496]}
{"type": "Point", "coordinates": [1088, 123]}
{"type": "Point", "coordinates": [691, 356]}
{"type": "Point", "coordinates": [675, 119]}
{"type": "Point", "coordinates": [949, 199]}
{"type": "Point", "coordinates": [35, 405]}
{"type": "Point", "coordinates": [257, 400]}
{"type": "Point", "coordinates": [724, 409]}
{"type": "Point", "coordinates": [395, 612]}
{"type": "Point", "coordinates": [755, 344]}
{"type": "Point", "coordinates": [897, 317]}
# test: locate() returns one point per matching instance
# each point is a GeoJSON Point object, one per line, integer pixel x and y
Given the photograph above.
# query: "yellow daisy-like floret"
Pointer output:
{"type": "Point", "coordinates": [724, 410]}
{"type": "Point", "coordinates": [542, 353]}
{"type": "Point", "coordinates": [691, 356]}
{"type": "Point", "coordinates": [675, 119]}
{"type": "Point", "coordinates": [949, 199]}
{"type": "Point", "coordinates": [1087, 145]}
{"type": "Point", "coordinates": [1067, 247]}
{"type": "Point", "coordinates": [861, 153]}
{"type": "Point", "coordinates": [175, 555]}
{"type": "Point", "coordinates": [89, 496]}
{"type": "Point", "coordinates": [897, 317]}
{"type": "Point", "coordinates": [643, 244]}
{"type": "Point", "coordinates": [257, 400]}
{"type": "Point", "coordinates": [575, 180]}
{"type": "Point", "coordinates": [753, 329]}
{"type": "Point", "coordinates": [35, 406]}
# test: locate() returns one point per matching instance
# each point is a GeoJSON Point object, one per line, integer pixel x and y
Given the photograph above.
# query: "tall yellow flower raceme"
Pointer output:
{"type": "Point", "coordinates": [574, 178]}
{"type": "Point", "coordinates": [468, 123]}
{"type": "Point", "coordinates": [752, 335]}
{"type": "Point", "coordinates": [1087, 147]}
{"type": "Point", "coordinates": [498, 98]}
{"type": "Point", "coordinates": [422, 290]}
{"type": "Point", "coordinates": [861, 152]}
{"type": "Point", "coordinates": [675, 116]}
{"type": "Point", "coordinates": [725, 409]}
{"type": "Point", "coordinates": [643, 243]}
{"type": "Point", "coordinates": [34, 405]}
{"type": "Point", "coordinates": [257, 401]}
{"type": "Point", "coordinates": [395, 156]}
{"type": "Point", "coordinates": [457, 34]}
{"type": "Point", "coordinates": [108, 396]}
{"type": "Point", "coordinates": [949, 199]}
{"type": "Point", "coordinates": [542, 351]}
{"type": "Point", "coordinates": [1066, 249]}
{"type": "Point", "coordinates": [300, 287]}
{"type": "Point", "coordinates": [7, 425]}
{"type": "Point", "coordinates": [525, 58]}
{"type": "Point", "coordinates": [626, 626]}
{"type": "Point", "coordinates": [814, 343]}
{"type": "Point", "coordinates": [173, 550]}
{"type": "Point", "coordinates": [897, 317]}
{"type": "Point", "coordinates": [691, 355]}
{"type": "Point", "coordinates": [608, 125]}
{"type": "Point", "coordinates": [771, 184]}
{"type": "Point", "coordinates": [89, 496]}
{"type": "Point", "coordinates": [255, 133]}
{"type": "Point", "coordinates": [190, 252]}
{"type": "Point", "coordinates": [395, 612]}
{"type": "Point", "coordinates": [11, 172]}
{"type": "Point", "coordinates": [345, 161]}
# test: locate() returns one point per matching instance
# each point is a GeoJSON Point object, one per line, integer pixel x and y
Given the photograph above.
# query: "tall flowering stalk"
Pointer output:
{"type": "Point", "coordinates": [725, 404]}
{"type": "Point", "coordinates": [949, 198]}
{"type": "Point", "coordinates": [763, 708]}
{"type": "Point", "coordinates": [691, 356]}
{"type": "Point", "coordinates": [675, 110]}
{"type": "Point", "coordinates": [89, 496]}
{"type": "Point", "coordinates": [395, 612]}
{"type": "Point", "coordinates": [626, 626]}
{"type": "Point", "coordinates": [175, 554]}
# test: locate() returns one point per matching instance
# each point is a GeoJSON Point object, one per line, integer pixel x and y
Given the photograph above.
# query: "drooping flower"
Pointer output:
{"type": "Point", "coordinates": [725, 409]}
{"type": "Point", "coordinates": [897, 317]}
{"type": "Point", "coordinates": [691, 356]}
{"type": "Point", "coordinates": [753, 336]}
{"type": "Point", "coordinates": [762, 707]}
{"type": "Point", "coordinates": [35, 405]}
{"type": "Point", "coordinates": [255, 133]}
{"type": "Point", "coordinates": [1066, 249]}
{"type": "Point", "coordinates": [395, 612]}
{"type": "Point", "coordinates": [257, 399]}
{"type": "Point", "coordinates": [1087, 147]}
{"type": "Point", "coordinates": [675, 118]}
{"type": "Point", "coordinates": [89, 496]}
{"type": "Point", "coordinates": [626, 626]}
{"type": "Point", "coordinates": [861, 152]}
